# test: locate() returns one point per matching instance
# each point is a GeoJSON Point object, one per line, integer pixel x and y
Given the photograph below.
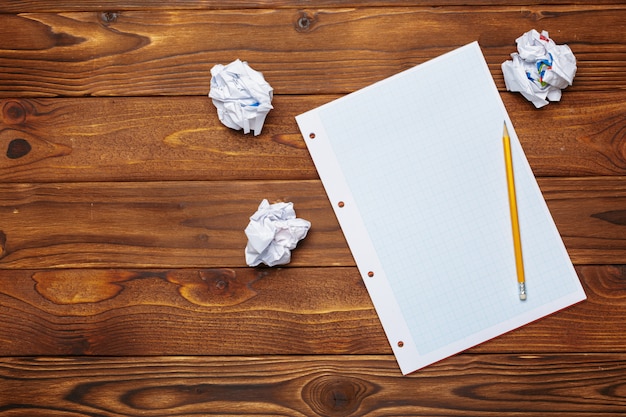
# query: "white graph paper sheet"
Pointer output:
{"type": "Point", "coordinates": [414, 168]}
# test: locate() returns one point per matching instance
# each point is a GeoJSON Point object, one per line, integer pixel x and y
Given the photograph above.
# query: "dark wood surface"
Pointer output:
{"type": "Point", "coordinates": [123, 199]}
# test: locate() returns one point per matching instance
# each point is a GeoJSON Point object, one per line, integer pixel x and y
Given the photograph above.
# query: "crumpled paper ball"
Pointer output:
{"type": "Point", "coordinates": [272, 233]}
{"type": "Point", "coordinates": [241, 95]}
{"type": "Point", "coordinates": [540, 69]}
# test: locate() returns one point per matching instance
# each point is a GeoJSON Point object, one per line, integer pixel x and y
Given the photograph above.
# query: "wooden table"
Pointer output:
{"type": "Point", "coordinates": [123, 199]}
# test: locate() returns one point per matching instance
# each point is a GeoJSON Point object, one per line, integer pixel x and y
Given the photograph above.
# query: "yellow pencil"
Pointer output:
{"type": "Point", "coordinates": [517, 241]}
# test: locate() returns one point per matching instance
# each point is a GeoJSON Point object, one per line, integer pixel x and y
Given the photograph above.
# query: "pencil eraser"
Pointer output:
{"type": "Point", "coordinates": [522, 297]}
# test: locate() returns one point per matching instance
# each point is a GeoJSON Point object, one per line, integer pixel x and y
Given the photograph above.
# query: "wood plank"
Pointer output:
{"type": "Point", "coordinates": [166, 224]}
{"type": "Point", "coordinates": [466, 385]}
{"type": "Point", "coordinates": [241, 311]}
{"type": "Point", "coordinates": [149, 53]}
{"type": "Point", "coordinates": [24, 6]}
{"type": "Point", "coordinates": [200, 224]}
{"type": "Point", "coordinates": [181, 138]}
{"type": "Point", "coordinates": [246, 311]}
{"type": "Point", "coordinates": [166, 138]}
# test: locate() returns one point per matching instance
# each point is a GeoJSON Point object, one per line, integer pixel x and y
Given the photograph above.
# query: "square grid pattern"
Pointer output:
{"type": "Point", "coordinates": [422, 155]}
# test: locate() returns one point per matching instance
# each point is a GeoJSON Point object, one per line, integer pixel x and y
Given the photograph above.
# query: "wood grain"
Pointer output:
{"type": "Point", "coordinates": [200, 224]}
{"type": "Point", "coordinates": [111, 6]}
{"type": "Point", "coordinates": [246, 311]}
{"type": "Point", "coordinates": [146, 53]}
{"type": "Point", "coordinates": [181, 138]}
{"type": "Point", "coordinates": [466, 385]}
{"type": "Point", "coordinates": [166, 138]}
{"type": "Point", "coordinates": [123, 288]}
{"type": "Point", "coordinates": [592, 234]}
{"type": "Point", "coordinates": [169, 224]}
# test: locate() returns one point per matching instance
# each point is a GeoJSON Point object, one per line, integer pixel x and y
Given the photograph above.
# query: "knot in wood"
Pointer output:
{"type": "Point", "coordinates": [108, 17]}
{"type": "Point", "coordinates": [212, 287]}
{"type": "Point", "coordinates": [18, 148]}
{"type": "Point", "coordinates": [337, 395]}
{"type": "Point", "coordinates": [304, 23]}
{"type": "Point", "coordinates": [537, 15]}
{"type": "Point", "coordinates": [14, 112]}
{"type": "Point", "coordinates": [221, 285]}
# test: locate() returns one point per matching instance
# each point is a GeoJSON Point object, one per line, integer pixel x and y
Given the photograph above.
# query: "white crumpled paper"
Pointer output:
{"type": "Point", "coordinates": [272, 233]}
{"type": "Point", "coordinates": [540, 69]}
{"type": "Point", "coordinates": [241, 95]}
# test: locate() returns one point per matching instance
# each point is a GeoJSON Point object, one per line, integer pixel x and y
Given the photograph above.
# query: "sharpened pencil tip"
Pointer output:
{"type": "Point", "coordinates": [505, 132]}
